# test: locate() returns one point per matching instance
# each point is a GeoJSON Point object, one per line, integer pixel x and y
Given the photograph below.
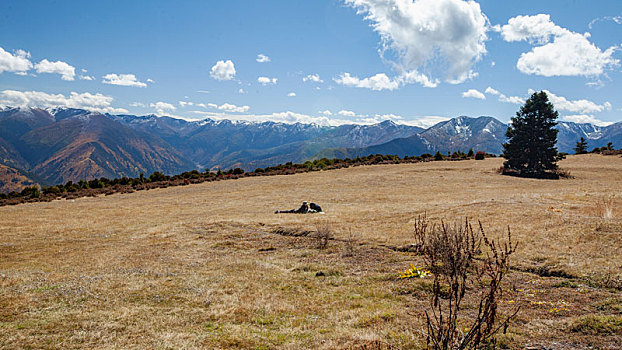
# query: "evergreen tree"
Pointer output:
{"type": "Point", "coordinates": [581, 147]}
{"type": "Point", "coordinates": [531, 149]}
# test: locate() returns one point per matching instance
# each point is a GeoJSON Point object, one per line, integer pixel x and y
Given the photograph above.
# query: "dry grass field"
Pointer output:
{"type": "Point", "coordinates": [206, 266]}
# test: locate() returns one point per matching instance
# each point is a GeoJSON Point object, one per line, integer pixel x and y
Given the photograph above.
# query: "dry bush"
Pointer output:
{"type": "Point", "coordinates": [453, 253]}
{"type": "Point", "coordinates": [605, 206]}
{"type": "Point", "coordinates": [324, 233]}
{"type": "Point", "coordinates": [350, 243]}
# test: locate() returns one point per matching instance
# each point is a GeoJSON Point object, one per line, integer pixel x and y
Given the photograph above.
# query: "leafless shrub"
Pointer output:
{"type": "Point", "coordinates": [350, 243]}
{"type": "Point", "coordinates": [324, 233]}
{"type": "Point", "coordinates": [605, 207]}
{"type": "Point", "coordinates": [453, 253]}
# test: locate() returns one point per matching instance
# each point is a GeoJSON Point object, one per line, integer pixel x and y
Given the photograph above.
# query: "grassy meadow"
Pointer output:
{"type": "Point", "coordinates": [211, 266]}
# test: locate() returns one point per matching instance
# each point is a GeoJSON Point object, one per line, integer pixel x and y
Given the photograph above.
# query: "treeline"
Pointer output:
{"type": "Point", "coordinates": [104, 186]}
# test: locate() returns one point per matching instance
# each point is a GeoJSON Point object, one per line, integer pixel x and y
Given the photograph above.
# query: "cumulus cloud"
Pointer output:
{"type": "Point", "coordinates": [381, 81]}
{"type": "Point", "coordinates": [122, 80]}
{"type": "Point", "coordinates": [313, 78]}
{"type": "Point", "coordinates": [229, 107]}
{"type": "Point", "coordinates": [93, 102]}
{"type": "Point", "coordinates": [558, 51]}
{"type": "Point", "coordinates": [223, 70]}
{"type": "Point", "coordinates": [266, 80]}
{"type": "Point", "coordinates": [584, 118]}
{"type": "Point", "coordinates": [150, 81]}
{"type": "Point", "coordinates": [138, 104]}
{"type": "Point", "coordinates": [423, 34]}
{"type": "Point", "coordinates": [86, 77]}
{"type": "Point", "coordinates": [261, 58]}
{"type": "Point", "coordinates": [503, 98]}
{"type": "Point", "coordinates": [377, 82]}
{"type": "Point", "coordinates": [346, 113]}
{"type": "Point", "coordinates": [66, 71]}
{"type": "Point", "coordinates": [582, 106]}
{"type": "Point", "coordinates": [472, 93]}
{"type": "Point", "coordinates": [292, 94]}
{"type": "Point", "coordinates": [17, 63]}
{"type": "Point", "coordinates": [162, 107]}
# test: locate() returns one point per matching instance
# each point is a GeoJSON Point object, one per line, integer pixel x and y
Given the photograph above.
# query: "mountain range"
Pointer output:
{"type": "Point", "coordinates": [49, 146]}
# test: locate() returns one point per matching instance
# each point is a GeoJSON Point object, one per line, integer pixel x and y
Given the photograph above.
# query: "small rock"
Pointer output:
{"type": "Point", "coordinates": [320, 274]}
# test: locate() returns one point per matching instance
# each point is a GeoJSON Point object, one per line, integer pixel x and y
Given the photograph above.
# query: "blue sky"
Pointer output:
{"type": "Point", "coordinates": [330, 62]}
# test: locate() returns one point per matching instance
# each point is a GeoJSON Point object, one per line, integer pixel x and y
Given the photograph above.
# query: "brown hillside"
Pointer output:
{"type": "Point", "coordinates": [211, 265]}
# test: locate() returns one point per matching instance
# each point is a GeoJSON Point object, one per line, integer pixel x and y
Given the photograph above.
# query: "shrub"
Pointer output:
{"type": "Point", "coordinates": [324, 233]}
{"type": "Point", "coordinates": [51, 190]}
{"type": "Point", "coordinates": [438, 156]}
{"type": "Point", "coordinates": [158, 176]}
{"type": "Point", "coordinates": [32, 192]}
{"type": "Point", "coordinates": [450, 252]}
{"type": "Point", "coordinates": [480, 155]}
{"type": "Point", "coordinates": [237, 171]}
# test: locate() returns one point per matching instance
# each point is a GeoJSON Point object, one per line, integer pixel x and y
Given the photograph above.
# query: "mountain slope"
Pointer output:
{"type": "Point", "coordinates": [68, 144]}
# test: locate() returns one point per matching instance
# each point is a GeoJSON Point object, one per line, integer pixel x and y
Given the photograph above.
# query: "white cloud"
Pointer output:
{"type": "Point", "coordinates": [472, 93]}
{"type": "Point", "coordinates": [138, 104]}
{"type": "Point", "coordinates": [584, 118]}
{"type": "Point", "coordinates": [502, 98]}
{"type": "Point", "coordinates": [223, 70]}
{"type": "Point", "coordinates": [346, 113]}
{"type": "Point", "coordinates": [150, 81]}
{"type": "Point", "coordinates": [162, 108]}
{"type": "Point", "coordinates": [377, 82]}
{"type": "Point", "coordinates": [536, 29]}
{"type": "Point", "coordinates": [86, 77]}
{"type": "Point", "coordinates": [381, 81]}
{"type": "Point", "coordinates": [266, 80]}
{"type": "Point", "coordinates": [122, 80]}
{"type": "Point", "coordinates": [512, 99]}
{"type": "Point", "coordinates": [292, 94]}
{"type": "Point", "coordinates": [326, 112]}
{"type": "Point", "coordinates": [203, 91]}
{"type": "Point", "coordinates": [66, 71]}
{"type": "Point", "coordinates": [558, 51]}
{"type": "Point", "coordinates": [184, 104]}
{"type": "Point", "coordinates": [16, 63]}
{"type": "Point", "coordinates": [616, 19]}
{"type": "Point", "coordinates": [492, 91]}
{"type": "Point", "coordinates": [575, 106]}
{"type": "Point", "coordinates": [423, 33]}
{"type": "Point", "coordinates": [426, 122]}
{"type": "Point", "coordinates": [313, 78]}
{"type": "Point", "coordinates": [261, 58]}
{"type": "Point", "coordinates": [228, 107]}
{"type": "Point", "coordinates": [93, 102]}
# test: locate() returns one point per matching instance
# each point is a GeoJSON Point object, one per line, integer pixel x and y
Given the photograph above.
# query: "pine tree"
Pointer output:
{"type": "Point", "coordinates": [581, 147]}
{"type": "Point", "coordinates": [531, 149]}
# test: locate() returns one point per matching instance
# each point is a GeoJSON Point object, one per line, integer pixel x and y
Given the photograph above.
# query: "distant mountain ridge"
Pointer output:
{"type": "Point", "coordinates": [62, 144]}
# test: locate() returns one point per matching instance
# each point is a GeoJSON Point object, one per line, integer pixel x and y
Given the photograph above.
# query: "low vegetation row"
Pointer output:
{"type": "Point", "coordinates": [104, 186]}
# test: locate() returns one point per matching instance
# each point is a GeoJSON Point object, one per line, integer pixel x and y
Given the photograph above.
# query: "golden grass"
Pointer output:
{"type": "Point", "coordinates": [201, 266]}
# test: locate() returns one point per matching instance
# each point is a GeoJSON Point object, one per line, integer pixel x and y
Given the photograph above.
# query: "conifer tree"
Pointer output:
{"type": "Point", "coordinates": [532, 136]}
{"type": "Point", "coordinates": [581, 147]}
